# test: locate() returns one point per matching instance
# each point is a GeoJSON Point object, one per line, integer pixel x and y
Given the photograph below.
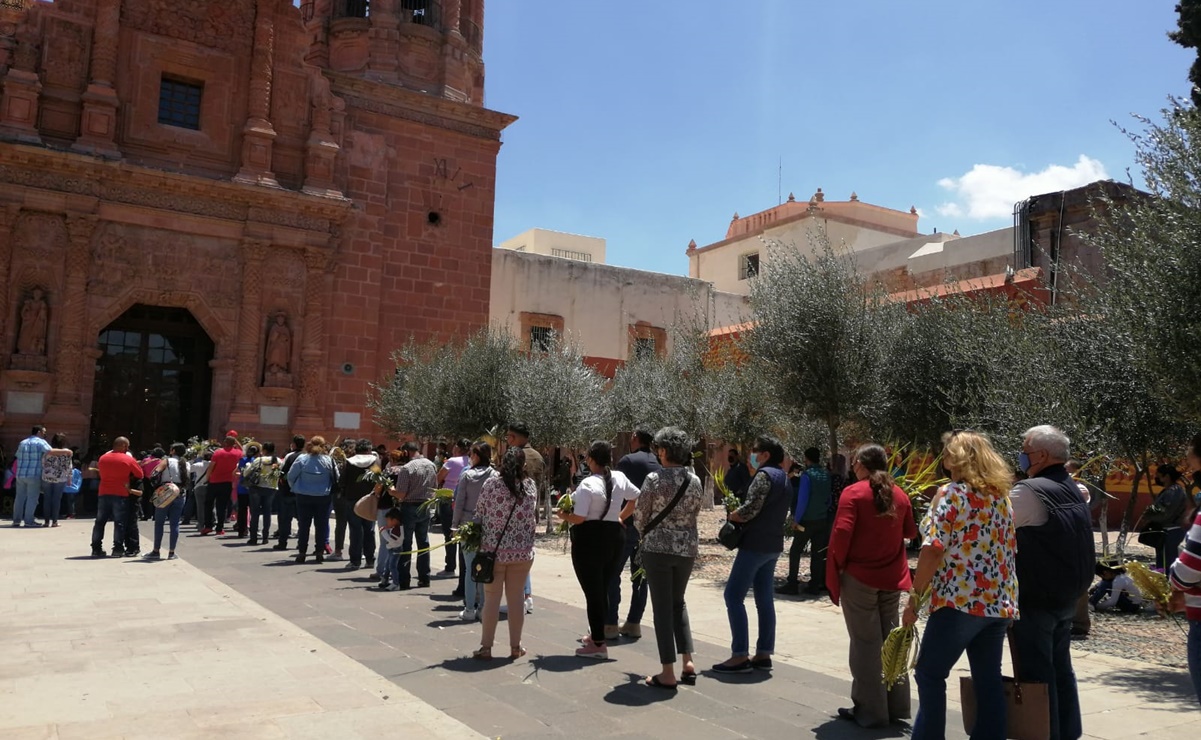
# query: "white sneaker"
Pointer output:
{"type": "Point", "coordinates": [529, 605]}
{"type": "Point", "coordinates": [467, 615]}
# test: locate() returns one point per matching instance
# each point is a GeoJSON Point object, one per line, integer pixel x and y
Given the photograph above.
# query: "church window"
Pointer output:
{"type": "Point", "coordinates": [179, 103]}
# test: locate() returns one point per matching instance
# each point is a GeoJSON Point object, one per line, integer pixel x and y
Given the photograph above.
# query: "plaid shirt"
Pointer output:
{"type": "Point", "coordinates": [29, 457]}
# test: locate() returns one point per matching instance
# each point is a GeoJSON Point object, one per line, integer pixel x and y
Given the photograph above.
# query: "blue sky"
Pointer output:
{"type": "Point", "coordinates": [650, 124]}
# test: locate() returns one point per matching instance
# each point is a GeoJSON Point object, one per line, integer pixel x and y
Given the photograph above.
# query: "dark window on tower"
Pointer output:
{"type": "Point", "coordinates": [179, 103]}
{"type": "Point", "coordinates": [748, 266]}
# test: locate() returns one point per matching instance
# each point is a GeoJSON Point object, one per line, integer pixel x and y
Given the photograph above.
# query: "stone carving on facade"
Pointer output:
{"type": "Point", "coordinates": [278, 363]}
{"type": "Point", "coordinates": [65, 61]}
{"type": "Point", "coordinates": [50, 180]}
{"type": "Point", "coordinates": [114, 258]}
{"type": "Point", "coordinates": [168, 201]}
{"type": "Point", "coordinates": [31, 334]}
{"type": "Point", "coordinates": [218, 24]}
{"type": "Point", "coordinates": [29, 45]}
{"type": "Point", "coordinates": [294, 219]}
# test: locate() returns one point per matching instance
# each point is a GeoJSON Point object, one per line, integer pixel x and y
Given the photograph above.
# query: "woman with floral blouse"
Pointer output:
{"type": "Point", "coordinates": [967, 562]}
{"type": "Point", "coordinates": [669, 550]}
{"type": "Point", "coordinates": [505, 511]}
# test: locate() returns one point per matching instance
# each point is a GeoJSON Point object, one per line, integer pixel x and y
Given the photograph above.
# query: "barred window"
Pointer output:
{"type": "Point", "coordinates": [748, 266]}
{"type": "Point", "coordinates": [541, 338]}
{"type": "Point", "coordinates": [179, 103]}
{"type": "Point", "coordinates": [644, 348]}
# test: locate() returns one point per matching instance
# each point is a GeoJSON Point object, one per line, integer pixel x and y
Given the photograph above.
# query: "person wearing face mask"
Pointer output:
{"type": "Point", "coordinates": [738, 476]}
{"type": "Point", "coordinates": [1164, 520]}
{"type": "Point", "coordinates": [1056, 559]}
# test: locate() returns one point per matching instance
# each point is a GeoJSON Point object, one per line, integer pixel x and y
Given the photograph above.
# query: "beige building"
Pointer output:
{"type": "Point", "coordinates": [883, 242]}
{"type": "Point", "coordinates": [613, 312]}
{"type": "Point", "coordinates": [558, 244]}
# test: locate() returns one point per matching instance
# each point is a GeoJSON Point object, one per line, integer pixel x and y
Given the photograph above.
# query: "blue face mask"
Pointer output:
{"type": "Point", "coordinates": [1023, 462]}
{"type": "Point", "coordinates": [754, 461]}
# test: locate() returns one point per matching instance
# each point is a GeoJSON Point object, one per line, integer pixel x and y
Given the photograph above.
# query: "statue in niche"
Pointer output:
{"type": "Point", "coordinates": [279, 353]}
{"type": "Point", "coordinates": [31, 340]}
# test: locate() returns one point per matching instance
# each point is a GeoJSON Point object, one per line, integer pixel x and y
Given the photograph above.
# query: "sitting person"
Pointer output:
{"type": "Point", "coordinates": [1116, 590]}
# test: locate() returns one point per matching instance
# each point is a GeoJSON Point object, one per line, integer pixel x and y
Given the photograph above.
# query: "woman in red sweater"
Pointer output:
{"type": "Point", "coordinates": [867, 570]}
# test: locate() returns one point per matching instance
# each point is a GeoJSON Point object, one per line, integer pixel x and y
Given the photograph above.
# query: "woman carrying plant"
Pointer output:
{"type": "Point", "coordinates": [598, 539]}
{"type": "Point", "coordinates": [505, 510]}
{"type": "Point", "coordinates": [467, 496]}
{"type": "Point", "coordinates": [665, 514]}
{"type": "Point", "coordinates": [762, 517]}
{"type": "Point", "coordinates": [867, 570]}
{"type": "Point", "coordinates": [967, 563]}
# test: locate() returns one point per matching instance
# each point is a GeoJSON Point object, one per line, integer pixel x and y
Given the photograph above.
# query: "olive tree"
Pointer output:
{"type": "Point", "coordinates": [820, 330]}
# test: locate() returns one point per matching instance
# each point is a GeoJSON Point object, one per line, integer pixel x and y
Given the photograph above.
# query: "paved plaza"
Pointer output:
{"type": "Point", "coordinates": [235, 641]}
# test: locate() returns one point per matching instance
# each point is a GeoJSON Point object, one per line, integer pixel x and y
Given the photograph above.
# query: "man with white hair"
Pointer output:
{"type": "Point", "coordinates": [1055, 563]}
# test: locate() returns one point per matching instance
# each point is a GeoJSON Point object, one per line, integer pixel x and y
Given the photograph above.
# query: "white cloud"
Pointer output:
{"type": "Point", "coordinates": [990, 191]}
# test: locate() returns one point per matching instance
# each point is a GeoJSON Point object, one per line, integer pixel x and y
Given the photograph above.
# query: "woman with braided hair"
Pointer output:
{"type": "Point", "coordinates": [598, 539]}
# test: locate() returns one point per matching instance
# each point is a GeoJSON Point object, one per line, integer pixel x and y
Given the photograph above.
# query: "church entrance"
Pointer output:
{"type": "Point", "coordinates": [153, 381]}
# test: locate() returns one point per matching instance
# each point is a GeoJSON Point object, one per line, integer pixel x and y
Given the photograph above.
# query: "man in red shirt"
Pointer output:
{"type": "Point", "coordinates": [116, 469]}
{"type": "Point", "coordinates": [221, 479]}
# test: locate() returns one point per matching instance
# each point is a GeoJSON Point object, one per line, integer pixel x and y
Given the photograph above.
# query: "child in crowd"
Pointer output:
{"type": "Point", "coordinates": [391, 533]}
{"type": "Point", "coordinates": [1116, 590]}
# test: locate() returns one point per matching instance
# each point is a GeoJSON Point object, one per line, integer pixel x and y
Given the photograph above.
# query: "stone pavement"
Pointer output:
{"type": "Point", "coordinates": [225, 660]}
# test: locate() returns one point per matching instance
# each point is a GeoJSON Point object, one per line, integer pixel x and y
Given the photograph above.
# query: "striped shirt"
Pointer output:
{"type": "Point", "coordinates": [1186, 571]}
{"type": "Point", "coordinates": [29, 457]}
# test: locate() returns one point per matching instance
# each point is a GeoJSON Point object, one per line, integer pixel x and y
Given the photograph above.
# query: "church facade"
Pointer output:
{"type": "Point", "coordinates": [229, 213]}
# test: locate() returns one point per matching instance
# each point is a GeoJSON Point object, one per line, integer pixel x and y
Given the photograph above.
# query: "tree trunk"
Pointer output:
{"type": "Point", "coordinates": [1128, 515]}
{"type": "Point", "coordinates": [1104, 511]}
{"type": "Point", "coordinates": [832, 425]}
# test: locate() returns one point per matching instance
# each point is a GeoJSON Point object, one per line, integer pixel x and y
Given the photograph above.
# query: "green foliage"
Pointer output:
{"type": "Point", "coordinates": [820, 330]}
{"type": "Point", "coordinates": [556, 395]}
{"type": "Point", "coordinates": [1188, 35]}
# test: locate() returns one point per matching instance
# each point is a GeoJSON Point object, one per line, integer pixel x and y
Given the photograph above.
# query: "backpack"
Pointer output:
{"type": "Point", "coordinates": [252, 474]}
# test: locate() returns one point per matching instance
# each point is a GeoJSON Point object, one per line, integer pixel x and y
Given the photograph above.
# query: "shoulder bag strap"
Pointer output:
{"type": "Point", "coordinates": [668, 509]}
{"type": "Point", "coordinates": [506, 527]}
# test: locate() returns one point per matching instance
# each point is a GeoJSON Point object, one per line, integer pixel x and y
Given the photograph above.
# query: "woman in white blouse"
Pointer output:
{"type": "Point", "coordinates": [598, 539]}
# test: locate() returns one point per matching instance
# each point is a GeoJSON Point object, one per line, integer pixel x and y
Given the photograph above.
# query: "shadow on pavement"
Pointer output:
{"type": "Point", "coordinates": [1152, 683]}
{"type": "Point", "coordinates": [557, 663]}
{"type": "Point", "coordinates": [87, 557]}
{"type": "Point", "coordinates": [841, 729]}
{"type": "Point", "coordinates": [635, 693]}
{"type": "Point", "coordinates": [737, 678]}
{"type": "Point", "coordinates": [471, 665]}
{"type": "Point", "coordinates": [280, 563]}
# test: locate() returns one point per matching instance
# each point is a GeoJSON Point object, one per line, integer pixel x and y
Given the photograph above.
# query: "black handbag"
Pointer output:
{"type": "Point", "coordinates": [1152, 536]}
{"type": "Point", "coordinates": [658, 520]}
{"type": "Point", "coordinates": [730, 534]}
{"type": "Point", "coordinates": [484, 565]}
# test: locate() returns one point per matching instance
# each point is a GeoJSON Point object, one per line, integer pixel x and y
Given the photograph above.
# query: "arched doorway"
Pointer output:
{"type": "Point", "coordinates": [153, 381]}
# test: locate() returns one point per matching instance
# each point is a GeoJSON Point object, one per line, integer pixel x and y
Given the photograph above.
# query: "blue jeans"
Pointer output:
{"type": "Point", "coordinates": [390, 562]}
{"type": "Point", "coordinates": [948, 633]}
{"type": "Point", "coordinates": [260, 509]}
{"type": "Point", "coordinates": [1043, 639]}
{"type": "Point", "coordinates": [756, 570]}
{"type": "Point", "coordinates": [286, 503]}
{"type": "Point", "coordinates": [415, 523]}
{"type": "Point", "coordinates": [310, 511]}
{"type": "Point", "coordinates": [362, 540]}
{"type": "Point", "coordinates": [109, 509]}
{"type": "Point", "coordinates": [28, 490]}
{"type": "Point", "coordinates": [52, 500]}
{"type": "Point", "coordinates": [638, 585]}
{"type": "Point", "coordinates": [1194, 656]}
{"type": "Point", "coordinates": [171, 513]}
{"type": "Point", "coordinates": [470, 587]}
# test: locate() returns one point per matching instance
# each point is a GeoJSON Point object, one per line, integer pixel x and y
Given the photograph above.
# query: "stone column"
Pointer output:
{"type": "Point", "coordinates": [22, 92]}
{"type": "Point", "coordinates": [73, 318]}
{"type": "Point", "coordinates": [98, 126]}
{"type": "Point", "coordinates": [451, 12]}
{"type": "Point", "coordinates": [250, 324]}
{"type": "Point", "coordinates": [9, 213]}
{"type": "Point", "coordinates": [318, 263]}
{"type": "Point", "coordinates": [258, 135]}
{"type": "Point", "coordinates": [383, 40]}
